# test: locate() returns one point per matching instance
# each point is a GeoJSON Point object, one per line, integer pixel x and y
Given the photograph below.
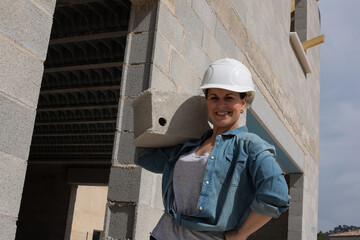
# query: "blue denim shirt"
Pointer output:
{"type": "Point", "coordinates": [241, 175]}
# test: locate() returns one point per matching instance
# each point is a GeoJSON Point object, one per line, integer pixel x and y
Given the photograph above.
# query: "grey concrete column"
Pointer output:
{"type": "Point", "coordinates": [295, 221]}
{"type": "Point", "coordinates": [25, 28]}
{"type": "Point", "coordinates": [125, 176]}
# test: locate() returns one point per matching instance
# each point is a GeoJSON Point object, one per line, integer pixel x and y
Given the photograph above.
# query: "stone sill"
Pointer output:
{"type": "Point", "coordinates": [300, 52]}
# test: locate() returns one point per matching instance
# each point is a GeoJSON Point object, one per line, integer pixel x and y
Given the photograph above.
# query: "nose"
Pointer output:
{"type": "Point", "coordinates": [221, 103]}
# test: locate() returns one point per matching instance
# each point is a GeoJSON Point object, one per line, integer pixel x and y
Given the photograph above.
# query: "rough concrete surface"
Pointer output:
{"type": "Point", "coordinates": [144, 17]}
{"type": "Point", "coordinates": [46, 5]}
{"type": "Point", "coordinates": [26, 24]}
{"type": "Point", "coordinates": [21, 73]}
{"type": "Point", "coordinates": [8, 227]}
{"type": "Point", "coordinates": [12, 179]}
{"type": "Point", "coordinates": [125, 149]}
{"type": "Point", "coordinates": [16, 128]}
{"type": "Point", "coordinates": [146, 220]}
{"type": "Point", "coordinates": [170, 112]}
{"type": "Point", "coordinates": [170, 27]}
{"type": "Point", "coordinates": [121, 221]}
{"type": "Point", "coordinates": [124, 184]}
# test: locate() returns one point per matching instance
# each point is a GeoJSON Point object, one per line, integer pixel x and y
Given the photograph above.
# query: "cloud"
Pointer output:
{"type": "Point", "coordinates": [340, 54]}
{"type": "Point", "coordinates": [339, 193]}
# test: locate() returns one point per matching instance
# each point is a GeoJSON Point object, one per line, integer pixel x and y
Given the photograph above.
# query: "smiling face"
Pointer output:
{"type": "Point", "coordinates": [224, 108]}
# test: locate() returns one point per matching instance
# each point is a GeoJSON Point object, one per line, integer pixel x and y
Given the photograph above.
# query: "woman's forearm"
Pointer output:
{"type": "Point", "coordinates": [251, 224]}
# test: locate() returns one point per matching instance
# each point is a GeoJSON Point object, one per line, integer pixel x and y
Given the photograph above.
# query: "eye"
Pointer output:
{"type": "Point", "coordinates": [213, 98]}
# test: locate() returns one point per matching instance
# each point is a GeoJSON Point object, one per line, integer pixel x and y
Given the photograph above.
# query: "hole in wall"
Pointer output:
{"type": "Point", "coordinates": [162, 121]}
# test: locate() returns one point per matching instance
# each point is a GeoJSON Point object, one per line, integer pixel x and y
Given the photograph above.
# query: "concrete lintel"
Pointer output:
{"type": "Point", "coordinates": [265, 114]}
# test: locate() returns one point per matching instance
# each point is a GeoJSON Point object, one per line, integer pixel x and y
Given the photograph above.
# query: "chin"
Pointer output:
{"type": "Point", "coordinates": [224, 125]}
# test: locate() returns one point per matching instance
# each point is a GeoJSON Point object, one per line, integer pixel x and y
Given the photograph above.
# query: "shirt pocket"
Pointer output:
{"type": "Point", "coordinates": [233, 169]}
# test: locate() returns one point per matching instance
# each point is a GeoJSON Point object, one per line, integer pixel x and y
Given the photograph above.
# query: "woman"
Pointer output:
{"type": "Point", "coordinates": [227, 184]}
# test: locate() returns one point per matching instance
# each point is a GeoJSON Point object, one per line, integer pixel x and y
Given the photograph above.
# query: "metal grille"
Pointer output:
{"type": "Point", "coordinates": [77, 108]}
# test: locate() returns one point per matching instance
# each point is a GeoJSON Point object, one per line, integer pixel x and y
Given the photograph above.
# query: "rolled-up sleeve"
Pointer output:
{"type": "Point", "coordinates": [271, 190]}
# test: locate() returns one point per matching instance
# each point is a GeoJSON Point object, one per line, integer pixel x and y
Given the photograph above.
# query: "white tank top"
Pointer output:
{"type": "Point", "coordinates": [187, 182]}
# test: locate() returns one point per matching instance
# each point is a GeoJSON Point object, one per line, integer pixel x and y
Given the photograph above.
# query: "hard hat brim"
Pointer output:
{"type": "Point", "coordinates": [250, 91]}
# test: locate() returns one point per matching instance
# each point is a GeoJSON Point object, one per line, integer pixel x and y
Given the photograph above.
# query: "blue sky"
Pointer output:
{"type": "Point", "coordinates": [339, 183]}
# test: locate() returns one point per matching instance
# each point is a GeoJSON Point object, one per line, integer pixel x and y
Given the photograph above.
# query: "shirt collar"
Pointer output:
{"type": "Point", "coordinates": [236, 131]}
{"type": "Point", "coordinates": [208, 134]}
{"type": "Point", "coordinates": [232, 132]}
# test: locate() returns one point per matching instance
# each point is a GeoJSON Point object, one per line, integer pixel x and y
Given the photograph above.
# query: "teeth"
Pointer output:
{"type": "Point", "coordinates": [222, 113]}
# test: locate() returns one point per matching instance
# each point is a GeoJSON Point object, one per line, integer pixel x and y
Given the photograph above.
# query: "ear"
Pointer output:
{"type": "Point", "coordinates": [243, 102]}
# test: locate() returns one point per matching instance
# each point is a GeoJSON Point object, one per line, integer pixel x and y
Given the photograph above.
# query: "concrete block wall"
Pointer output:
{"type": "Point", "coordinates": [178, 40]}
{"type": "Point", "coordinates": [127, 205]}
{"type": "Point", "coordinates": [24, 35]}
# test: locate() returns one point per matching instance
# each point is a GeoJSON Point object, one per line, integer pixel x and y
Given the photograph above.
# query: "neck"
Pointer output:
{"type": "Point", "coordinates": [220, 130]}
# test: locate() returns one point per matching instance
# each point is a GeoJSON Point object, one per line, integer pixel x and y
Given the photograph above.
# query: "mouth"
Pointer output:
{"type": "Point", "coordinates": [222, 114]}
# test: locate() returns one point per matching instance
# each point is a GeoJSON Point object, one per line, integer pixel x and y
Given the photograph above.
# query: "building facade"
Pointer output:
{"type": "Point", "coordinates": [71, 70]}
{"type": "Point", "coordinates": [350, 235]}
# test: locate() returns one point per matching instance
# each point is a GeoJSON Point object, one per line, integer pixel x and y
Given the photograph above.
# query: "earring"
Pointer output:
{"type": "Point", "coordinates": [241, 111]}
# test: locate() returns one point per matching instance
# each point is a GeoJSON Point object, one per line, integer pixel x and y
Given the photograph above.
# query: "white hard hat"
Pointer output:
{"type": "Point", "coordinates": [229, 74]}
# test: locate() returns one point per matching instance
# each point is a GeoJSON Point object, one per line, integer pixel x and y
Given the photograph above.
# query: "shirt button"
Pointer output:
{"type": "Point", "coordinates": [207, 182]}
{"type": "Point", "coordinates": [200, 208]}
{"type": "Point", "coordinates": [217, 144]}
{"type": "Point", "coordinates": [212, 157]}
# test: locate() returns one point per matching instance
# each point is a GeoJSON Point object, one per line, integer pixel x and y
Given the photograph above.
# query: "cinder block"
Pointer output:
{"type": "Point", "coordinates": [161, 81]}
{"type": "Point", "coordinates": [170, 27]}
{"type": "Point", "coordinates": [48, 5]}
{"type": "Point", "coordinates": [160, 117]}
{"type": "Point", "coordinates": [195, 56]}
{"type": "Point", "coordinates": [301, 12]}
{"type": "Point", "coordinates": [223, 12]}
{"type": "Point", "coordinates": [205, 13]}
{"type": "Point", "coordinates": [26, 24]}
{"type": "Point", "coordinates": [143, 16]}
{"type": "Point", "coordinates": [16, 128]}
{"type": "Point", "coordinates": [161, 52]}
{"type": "Point", "coordinates": [12, 178]}
{"type": "Point", "coordinates": [124, 184]}
{"type": "Point", "coordinates": [146, 220]}
{"type": "Point", "coordinates": [189, 20]}
{"type": "Point", "coordinates": [8, 227]}
{"type": "Point", "coordinates": [20, 75]}
{"type": "Point", "coordinates": [184, 75]}
{"type": "Point", "coordinates": [147, 187]}
{"type": "Point", "coordinates": [141, 47]}
{"type": "Point", "coordinates": [158, 203]}
{"type": "Point", "coordinates": [121, 221]}
{"type": "Point", "coordinates": [150, 190]}
{"type": "Point", "coordinates": [211, 46]}
{"type": "Point", "coordinates": [135, 79]}
{"type": "Point", "coordinates": [125, 153]}
{"type": "Point", "coordinates": [226, 42]}
{"type": "Point", "coordinates": [125, 114]}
